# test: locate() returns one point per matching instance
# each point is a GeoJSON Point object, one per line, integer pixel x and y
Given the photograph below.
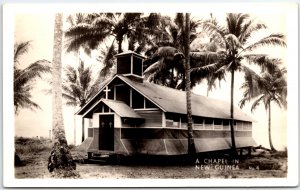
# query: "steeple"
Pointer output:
{"type": "Point", "coordinates": [130, 64]}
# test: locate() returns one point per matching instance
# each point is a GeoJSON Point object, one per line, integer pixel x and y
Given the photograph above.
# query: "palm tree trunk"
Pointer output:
{"type": "Point", "coordinates": [120, 46]}
{"type": "Point", "coordinates": [60, 157]}
{"type": "Point", "coordinates": [233, 147]}
{"type": "Point", "coordinates": [191, 144]}
{"type": "Point", "coordinates": [269, 128]}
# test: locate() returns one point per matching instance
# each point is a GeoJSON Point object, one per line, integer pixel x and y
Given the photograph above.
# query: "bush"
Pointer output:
{"type": "Point", "coordinates": [260, 163]}
{"type": "Point", "coordinates": [280, 154]}
{"type": "Point", "coordinates": [32, 145]}
{"type": "Point", "coordinates": [71, 146]}
{"type": "Point", "coordinates": [18, 161]}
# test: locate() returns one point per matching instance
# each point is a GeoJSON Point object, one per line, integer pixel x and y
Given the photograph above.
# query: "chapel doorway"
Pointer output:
{"type": "Point", "coordinates": [106, 132]}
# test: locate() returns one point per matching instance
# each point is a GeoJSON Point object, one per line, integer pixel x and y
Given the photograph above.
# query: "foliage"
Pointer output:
{"type": "Point", "coordinates": [166, 67]}
{"type": "Point", "coordinates": [24, 78]}
{"type": "Point", "coordinates": [269, 86]}
{"type": "Point", "coordinates": [79, 86]}
{"type": "Point", "coordinates": [235, 39]}
{"type": "Point", "coordinates": [25, 146]}
{"type": "Point", "coordinates": [91, 30]}
{"type": "Point", "coordinates": [260, 163]}
{"type": "Point", "coordinates": [99, 26]}
{"type": "Point", "coordinates": [107, 57]}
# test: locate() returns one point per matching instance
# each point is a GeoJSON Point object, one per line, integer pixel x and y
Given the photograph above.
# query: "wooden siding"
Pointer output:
{"type": "Point", "coordinates": [200, 123]}
{"type": "Point", "coordinates": [90, 132]}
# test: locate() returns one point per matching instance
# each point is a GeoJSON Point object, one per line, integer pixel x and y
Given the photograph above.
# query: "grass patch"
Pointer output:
{"type": "Point", "coordinates": [25, 146]}
{"type": "Point", "coordinates": [260, 163]}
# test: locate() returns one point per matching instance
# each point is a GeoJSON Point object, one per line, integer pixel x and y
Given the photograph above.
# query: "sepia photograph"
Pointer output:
{"type": "Point", "coordinates": [112, 94]}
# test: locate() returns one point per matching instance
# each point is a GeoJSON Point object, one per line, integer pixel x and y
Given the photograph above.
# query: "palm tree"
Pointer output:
{"type": "Point", "coordinates": [191, 143]}
{"type": "Point", "coordinates": [100, 27]}
{"type": "Point", "coordinates": [165, 65]}
{"type": "Point", "coordinates": [270, 86]}
{"type": "Point", "coordinates": [167, 59]}
{"type": "Point", "coordinates": [168, 68]}
{"type": "Point", "coordinates": [78, 88]}
{"type": "Point", "coordinates": [60, 158]}
{"type": "Point", "coordinates": [235, 38]}
{"type": "Point", "coordinates": [24, 78]}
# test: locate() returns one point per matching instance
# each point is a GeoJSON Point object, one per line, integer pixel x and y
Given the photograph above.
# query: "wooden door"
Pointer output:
{"type": "Point", "coordinates": [106, 132]}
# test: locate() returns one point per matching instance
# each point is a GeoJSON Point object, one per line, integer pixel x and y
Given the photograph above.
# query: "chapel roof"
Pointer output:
{"type": "Point", "coordinates": [174, 101]}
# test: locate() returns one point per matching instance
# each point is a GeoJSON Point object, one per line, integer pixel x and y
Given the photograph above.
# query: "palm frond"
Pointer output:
{"type": "Point", "coordinates": [248, 29]}
{"type": "Point", "coordinates": [20, 49]}
{"type": "Point", "coordinates": [152, 68]}
{"type": "Point", "coordinates": [235, 23]}
{"type": "Point", "coordinates": [264, 62]}
{"type": "Point", "coordinates": [34, 70]}
{"type": "Point", "coordinates": [216, 32]}
{"type": "Point", "coordinates": [273, 39]}
{"type": "Point", "coordinates": [257, 102]}
{"type": "Point", "coordinates": [108, 59]}
{"type": "Point", "coordinates": [78, 86]}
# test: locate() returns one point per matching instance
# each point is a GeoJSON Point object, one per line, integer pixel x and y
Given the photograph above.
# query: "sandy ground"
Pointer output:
{"type": "Point", "coordinates": [35, 166]}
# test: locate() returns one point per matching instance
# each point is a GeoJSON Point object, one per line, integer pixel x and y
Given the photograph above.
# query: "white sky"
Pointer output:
{"type": "Point", "coordinates": [38, 27]}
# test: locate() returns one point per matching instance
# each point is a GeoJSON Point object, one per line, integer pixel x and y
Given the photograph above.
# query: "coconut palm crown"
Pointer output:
{"type": "Point", "coordinates": [235, 39]}
{"type": "Point", "coordinates": [78, 86]}
{"type": "Point", "coordinates": [24, 78]}
{"type": "Point", "coordinates": [267, 87]}
{"type": "Point", "coordinates": [166, 65]}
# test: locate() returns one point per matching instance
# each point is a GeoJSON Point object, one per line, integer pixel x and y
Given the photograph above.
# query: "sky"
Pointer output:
{"type": "Point", "coordinates": [38, 28]}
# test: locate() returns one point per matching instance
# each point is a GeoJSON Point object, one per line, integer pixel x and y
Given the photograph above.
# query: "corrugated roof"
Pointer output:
{"type": "Point", "coordinates": [172, 100]}
{"type": "Point", "coordinates": [122, 109]}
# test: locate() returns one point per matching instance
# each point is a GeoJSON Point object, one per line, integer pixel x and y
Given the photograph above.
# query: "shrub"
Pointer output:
{"type": "Point", "coordinates": [31, 145]}
{"type": "Point", "coordinates": [260, 163]}
{"type": "Point", "coordinates": [71, 146]}
{"type": "Point", "coordinates": [280, 154]}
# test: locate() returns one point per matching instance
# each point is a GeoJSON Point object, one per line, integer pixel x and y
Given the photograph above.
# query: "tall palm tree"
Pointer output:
{"type": "Point", "coordinates": [167, 58]}
{"type": "Point", "coordinates": [235, 38]}
{"type": "Point", "coordinates": [270, 86]}
{"type": "Point", "coordinates": [24, 78]}
{"type": "Point", "coordinates": [60, 158]}
{"type": "Point", "coordinates": [78, 88]}
{"type": "Point", "coordinates": [191, 143]}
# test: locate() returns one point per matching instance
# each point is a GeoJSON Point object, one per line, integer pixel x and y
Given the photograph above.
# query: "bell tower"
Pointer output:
{"type": "Point", "coordinates": [130, 64]}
